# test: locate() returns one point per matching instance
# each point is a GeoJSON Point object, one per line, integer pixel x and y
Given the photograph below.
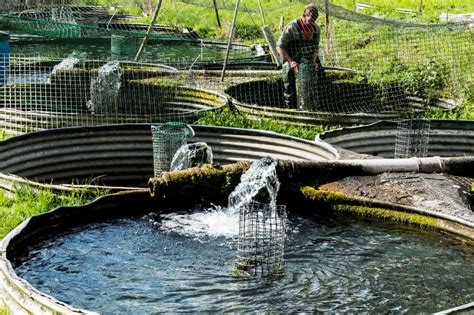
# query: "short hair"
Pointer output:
{"type": "Point", "coordinates": [312, 10]}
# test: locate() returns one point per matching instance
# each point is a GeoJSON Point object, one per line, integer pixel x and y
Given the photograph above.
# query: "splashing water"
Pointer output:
{"type": "Point", "coordinates": [67, 64]}
{"type": "Point", "coordinates": [259, 183]}
{"type": "Point", "coordinates": [190, 155]}
{"type": "Point", "coordinates": [213, 222]}
{"type": "Point", "coordinates": [105, 89]}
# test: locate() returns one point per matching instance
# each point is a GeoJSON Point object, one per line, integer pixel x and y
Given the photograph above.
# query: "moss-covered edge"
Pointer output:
{"type": "Point", "coordinates": [340, 202]}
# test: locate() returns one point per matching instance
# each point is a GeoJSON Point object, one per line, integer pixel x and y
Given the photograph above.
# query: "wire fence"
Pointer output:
{"type": "Point", "coordinates": [370, 68]}
{"type": "Point", "coordinates": [42, 95]}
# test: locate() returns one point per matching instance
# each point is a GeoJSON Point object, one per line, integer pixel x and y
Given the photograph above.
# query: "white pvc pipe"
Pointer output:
{"type": "Point", "coordinates": [414, 164]}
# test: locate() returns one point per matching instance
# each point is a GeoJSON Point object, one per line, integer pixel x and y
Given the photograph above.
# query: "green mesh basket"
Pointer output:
{"type": "Point", "coordinates": [167, 139]}
{"type": "Point", "coordinates": [305, 86]}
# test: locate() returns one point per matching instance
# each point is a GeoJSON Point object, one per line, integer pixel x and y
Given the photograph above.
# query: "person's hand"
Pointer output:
{"type": "Point", "coordinates": [318, 67]}
{"type": "Point", "coordinates": [294, 66]}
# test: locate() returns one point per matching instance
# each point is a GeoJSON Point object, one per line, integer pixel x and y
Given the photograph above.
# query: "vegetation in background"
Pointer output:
{"type": "Point", "coordinates": [232, 118]}
{"type": "Point", "coordinates": [4, 135]}
{"type": "Point", "coordinates": [27, 202]}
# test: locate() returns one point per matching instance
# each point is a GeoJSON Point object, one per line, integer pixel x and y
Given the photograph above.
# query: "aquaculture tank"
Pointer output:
{"type": "Point", "coordinates": [338, 95]}
{"type": "Point", "coordinates": [129, 252]}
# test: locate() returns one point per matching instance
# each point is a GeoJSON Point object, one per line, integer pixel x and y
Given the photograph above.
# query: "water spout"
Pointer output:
{"type": "Point", "coordinates": [66, 64]}
{"type": "Point", "coordinates": [190, 155]}
{"type": "Point", "coordinates": [260, 183]}
{"type": "Point", "coordinates": [105, 89]}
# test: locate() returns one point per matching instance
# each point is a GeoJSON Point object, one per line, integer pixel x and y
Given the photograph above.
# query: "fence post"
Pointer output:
{"type": "Point", "coordinates": [231, 35]}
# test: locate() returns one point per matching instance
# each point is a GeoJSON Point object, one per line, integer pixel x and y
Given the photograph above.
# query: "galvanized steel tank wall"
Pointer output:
{"type": "Point", "coordinates": [446, 138]}
{"type": "Point", "coordinates": [122, 154]}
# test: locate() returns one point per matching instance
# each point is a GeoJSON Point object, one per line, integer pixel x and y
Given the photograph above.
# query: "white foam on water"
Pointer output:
{"type": "Point", "coordinates": [224, 222]}
{"type": "Point", "coordinates": [212, 222]}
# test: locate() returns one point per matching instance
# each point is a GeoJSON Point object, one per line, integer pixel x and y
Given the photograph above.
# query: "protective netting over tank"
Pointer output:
{"type": "Point", "coordinates": [107, 33]}
{"type": "Point", "coordinates": [41, 94]}
{"type": "Point", "coordinates": [367, 68]}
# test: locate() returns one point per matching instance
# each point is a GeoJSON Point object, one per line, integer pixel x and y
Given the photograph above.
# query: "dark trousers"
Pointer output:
{"type": "Point", "coordinates": [289, 84]}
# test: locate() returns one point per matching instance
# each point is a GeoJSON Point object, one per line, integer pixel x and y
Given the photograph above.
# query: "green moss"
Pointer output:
{"type": "Point", "coordinates": [391, 215]}
{"type": "Point", "coordinates": [340, 202]}
{"type": "Point", "coordinates": [5, 135]}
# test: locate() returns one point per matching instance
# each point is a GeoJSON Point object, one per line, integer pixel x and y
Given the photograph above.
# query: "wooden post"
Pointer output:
{"type": "Point", "coordinates": [271, 44]}
{"type": "Point", "coordinates": [217, 14]}
{"type": "Point", "coordinates": [326, 5]}
{"type": "Point", "coordinates": [282, 24]}
{"type": "Point", "coordinates": [150, 27]}
{"type": "Point", "coordinates": [261, 13]}
{"type": "Point", "coordinates": [231, 35]}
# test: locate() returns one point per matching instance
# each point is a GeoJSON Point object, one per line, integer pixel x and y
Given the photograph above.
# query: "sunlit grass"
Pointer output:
{"type": "Point", "coordinates": [230, 118]}
{"type": "Point", "coordinates": [5, 135]}
{"type": "Point", "coordinates": [27, 201]}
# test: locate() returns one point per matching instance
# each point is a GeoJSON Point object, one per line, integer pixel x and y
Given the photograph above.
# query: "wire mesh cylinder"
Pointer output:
{"type": "Point", "coordinates": [413, 138]}
{"type": "Point", "coordinates": [167, 139]}
{"type": "Point", "coordinates": [261, 239]}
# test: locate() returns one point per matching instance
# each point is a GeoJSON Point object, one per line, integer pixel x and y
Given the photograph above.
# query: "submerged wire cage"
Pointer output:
{"type": "Point", "coordinates": [413, 137]}
{"type": "Point", "coordinates": [167, 139]}
{"type": "Point", "coordinates": [261, 239]}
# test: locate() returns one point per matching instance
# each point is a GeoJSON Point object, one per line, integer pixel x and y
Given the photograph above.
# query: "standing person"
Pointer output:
{"type": "Point", "coordinates": [299, 42]}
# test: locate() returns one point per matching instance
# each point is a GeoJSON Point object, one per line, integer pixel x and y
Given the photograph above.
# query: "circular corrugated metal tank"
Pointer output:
{"type": "Point", "coordinates": [345, 102]}
{"type": "Point", "coordinates": [22, 297]}
{"type": "Point", "coordinates": [447, 138]}
{"type": "Point", "coordinates": [121, 155]}
{"type": "Point", "coordinates": [181, 103]}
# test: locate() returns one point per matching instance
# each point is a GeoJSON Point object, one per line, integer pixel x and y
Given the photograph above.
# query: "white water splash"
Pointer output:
{"type": "Point", "coordinates": [66, 64]}
{"type": "Point", "coordinates": [190, 155]}
{"type": "Point", "coordinates": [259, 182]}
{"type": "Point", "coordinates": [212, 222]}
{"type": "Point", "coordinates": [105, 89]}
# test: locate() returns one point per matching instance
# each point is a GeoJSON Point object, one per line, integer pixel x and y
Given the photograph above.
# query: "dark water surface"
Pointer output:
{"type": "Point", "coordinates": [172, 54]}
{"type": "Point", "coordinates": [332, 264]}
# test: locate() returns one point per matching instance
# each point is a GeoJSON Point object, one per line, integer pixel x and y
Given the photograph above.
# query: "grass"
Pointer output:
{"type": "Point", "coordinates": [4, 310]}
{"type": "Point", "coordinates": [356, 42]}
{"type": "Point", "coordinates": [27, 202]}
{"type": "Point", "coordinates": [5, 135]}
{"type": "Point", "coordinates": [232, 118]}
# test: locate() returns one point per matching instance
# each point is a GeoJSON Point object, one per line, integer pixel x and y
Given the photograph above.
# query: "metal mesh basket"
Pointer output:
{"type": "Point", "coordinates": [167, 139]}
{"type": "Point", "coordinates": [261, 239]}
{"type": "Point", "coordinates": [413, 137]}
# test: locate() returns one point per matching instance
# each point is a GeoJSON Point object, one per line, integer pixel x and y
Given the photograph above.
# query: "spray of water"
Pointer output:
{"type": "Point", "coordinates": [105, 89]}
{"type": "Point", "coordinates": [190, 155]}
{"type": "Point", "coordinates": [260, 183]}
{"type": "Point", "coordinates": [66, 64]}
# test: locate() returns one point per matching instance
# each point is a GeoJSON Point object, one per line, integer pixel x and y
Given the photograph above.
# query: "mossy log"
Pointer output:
{"type": "Point", "coordinates": [213, 183]}
{"type": "Point", "coordinates": [209, 183]}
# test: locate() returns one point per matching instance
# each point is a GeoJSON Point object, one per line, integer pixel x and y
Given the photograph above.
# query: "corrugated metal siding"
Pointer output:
{"type": "Point", "coordinates": [122, 154]}
{"type": "Point", "coordinates": [187, 104]}
{"type": "Point", "coordinates": [447, 138]}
